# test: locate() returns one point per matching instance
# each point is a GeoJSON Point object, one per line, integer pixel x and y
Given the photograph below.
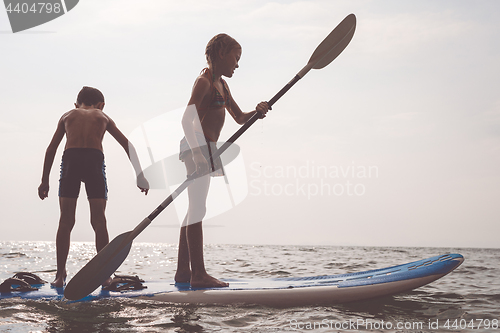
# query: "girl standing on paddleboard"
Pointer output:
{"type": "Point", "coordinates": [202, 123]}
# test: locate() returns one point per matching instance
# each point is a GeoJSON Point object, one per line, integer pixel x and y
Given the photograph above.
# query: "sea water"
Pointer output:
{"type": "Point", "coordinates": [466, 300]}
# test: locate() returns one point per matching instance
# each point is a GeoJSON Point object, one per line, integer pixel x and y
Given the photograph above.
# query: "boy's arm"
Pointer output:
{"type": "Point", "coordinates": [43, 189]}
{"type": "Point", "coordinates": [129, 148]}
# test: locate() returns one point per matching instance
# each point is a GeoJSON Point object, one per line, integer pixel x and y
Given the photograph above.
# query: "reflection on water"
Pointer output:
{"type": "Point", "coordinates": [469, 294]}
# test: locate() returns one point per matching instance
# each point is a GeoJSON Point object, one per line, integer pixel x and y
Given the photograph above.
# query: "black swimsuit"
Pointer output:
{"type": "Point", "coordinates": [207, 145]}
{"type": "Point", "coordinates": [83, 165]}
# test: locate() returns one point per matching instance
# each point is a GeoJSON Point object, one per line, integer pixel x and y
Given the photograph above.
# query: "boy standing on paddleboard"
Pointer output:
{"type": "Point", "coordinates": [83, 161]}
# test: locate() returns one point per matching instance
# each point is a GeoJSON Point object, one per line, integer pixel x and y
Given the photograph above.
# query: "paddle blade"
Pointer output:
{"type": "Point", "coordinates": [334, 43]}
{"type": "Point", "coordinates": [100, 268]}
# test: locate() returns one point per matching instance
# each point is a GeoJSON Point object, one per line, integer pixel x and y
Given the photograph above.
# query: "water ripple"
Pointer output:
{"type": "Point", "coordinates": [469, 293]}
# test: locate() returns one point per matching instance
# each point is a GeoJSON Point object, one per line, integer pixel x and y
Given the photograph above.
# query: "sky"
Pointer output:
{"type": "Point", "coordinates": [395, 143]}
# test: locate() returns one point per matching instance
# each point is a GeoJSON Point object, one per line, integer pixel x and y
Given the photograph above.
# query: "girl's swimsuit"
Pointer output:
{"type": "Point", "coordinates": [208, 146]}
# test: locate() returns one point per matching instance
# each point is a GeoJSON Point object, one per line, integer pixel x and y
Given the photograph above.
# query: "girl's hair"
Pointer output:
{"type": "Point", "coordinates": [220, 42]}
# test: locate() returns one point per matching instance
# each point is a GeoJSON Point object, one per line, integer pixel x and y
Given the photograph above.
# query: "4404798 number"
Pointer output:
{"type": "Point", "coordinates": [39, 7]}
{"type": "Point", "coordinates": [471, 324]}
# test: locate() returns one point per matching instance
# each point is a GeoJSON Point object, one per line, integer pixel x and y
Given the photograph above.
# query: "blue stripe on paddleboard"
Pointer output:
{"type": "Point", "coordinates": [438, 265]}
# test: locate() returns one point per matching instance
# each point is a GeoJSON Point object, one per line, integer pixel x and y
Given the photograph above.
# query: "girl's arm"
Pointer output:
{"type": "Point", "coordinates": [242, 117]}
{"type": "Point", "coordinates": [191, 122]}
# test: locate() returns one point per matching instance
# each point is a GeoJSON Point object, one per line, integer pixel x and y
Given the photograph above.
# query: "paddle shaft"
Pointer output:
{"type": "Point", "coordinates": [97, 270]}
{"type": "Point", "coordinates": [147, 221]}
{"type": "Point", "coordinates": [325, 53]}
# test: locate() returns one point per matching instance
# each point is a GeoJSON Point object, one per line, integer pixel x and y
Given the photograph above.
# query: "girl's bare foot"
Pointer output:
{"type": "Point", "coordinates": [206, 281]}
{"type": "Point", "coordinates": [183, 276]}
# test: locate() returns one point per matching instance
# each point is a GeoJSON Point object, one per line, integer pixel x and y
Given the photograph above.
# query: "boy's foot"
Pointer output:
{"type": "Point", "coordinates": [59, 281]}
{"type": "Point", "coordinates": [107, 283]}
{"type": "Point", "coordinates": [182, 277]}
{"type": "Point", "coordinates": [207, 281]}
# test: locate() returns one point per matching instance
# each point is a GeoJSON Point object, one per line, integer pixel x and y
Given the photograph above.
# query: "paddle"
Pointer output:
{"type": "Point", "coordinates": [107, 261]}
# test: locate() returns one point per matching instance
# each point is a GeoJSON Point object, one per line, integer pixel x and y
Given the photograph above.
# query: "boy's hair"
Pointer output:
{"type": "Point", "coordinates": [220, 42]}
{"type": "Point", "coordinates": [89, 96]}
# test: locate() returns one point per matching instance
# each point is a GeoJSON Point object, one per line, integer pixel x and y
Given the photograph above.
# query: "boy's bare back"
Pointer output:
{"type": "Point", "coordinates": [84, 128]}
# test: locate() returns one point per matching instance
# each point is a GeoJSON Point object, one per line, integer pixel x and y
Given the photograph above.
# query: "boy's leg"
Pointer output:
{"type": "Point", "coordinates": [98, 221]}
{"type": "Point", "coordinates": [66, 224]}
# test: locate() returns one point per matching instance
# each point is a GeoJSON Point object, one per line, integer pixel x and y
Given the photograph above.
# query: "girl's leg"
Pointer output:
{"type": "Point", "coordinates": [197, 194]}
{"type": "Point", "coordinates": [183, 274]}
{"type": "Point", "coordinates": [191, 236]}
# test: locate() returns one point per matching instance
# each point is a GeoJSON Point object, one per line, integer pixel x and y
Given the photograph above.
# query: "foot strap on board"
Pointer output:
{"type": "Point", "coordinates": [30, 278]}
{"type": "Point", "coordinates": [125, 282]}
{"type": "Point", "coordinates": [21, 281]}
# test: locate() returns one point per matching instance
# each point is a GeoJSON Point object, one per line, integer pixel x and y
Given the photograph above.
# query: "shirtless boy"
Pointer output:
{"type": "Point", "coordinates": [83, 161]}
